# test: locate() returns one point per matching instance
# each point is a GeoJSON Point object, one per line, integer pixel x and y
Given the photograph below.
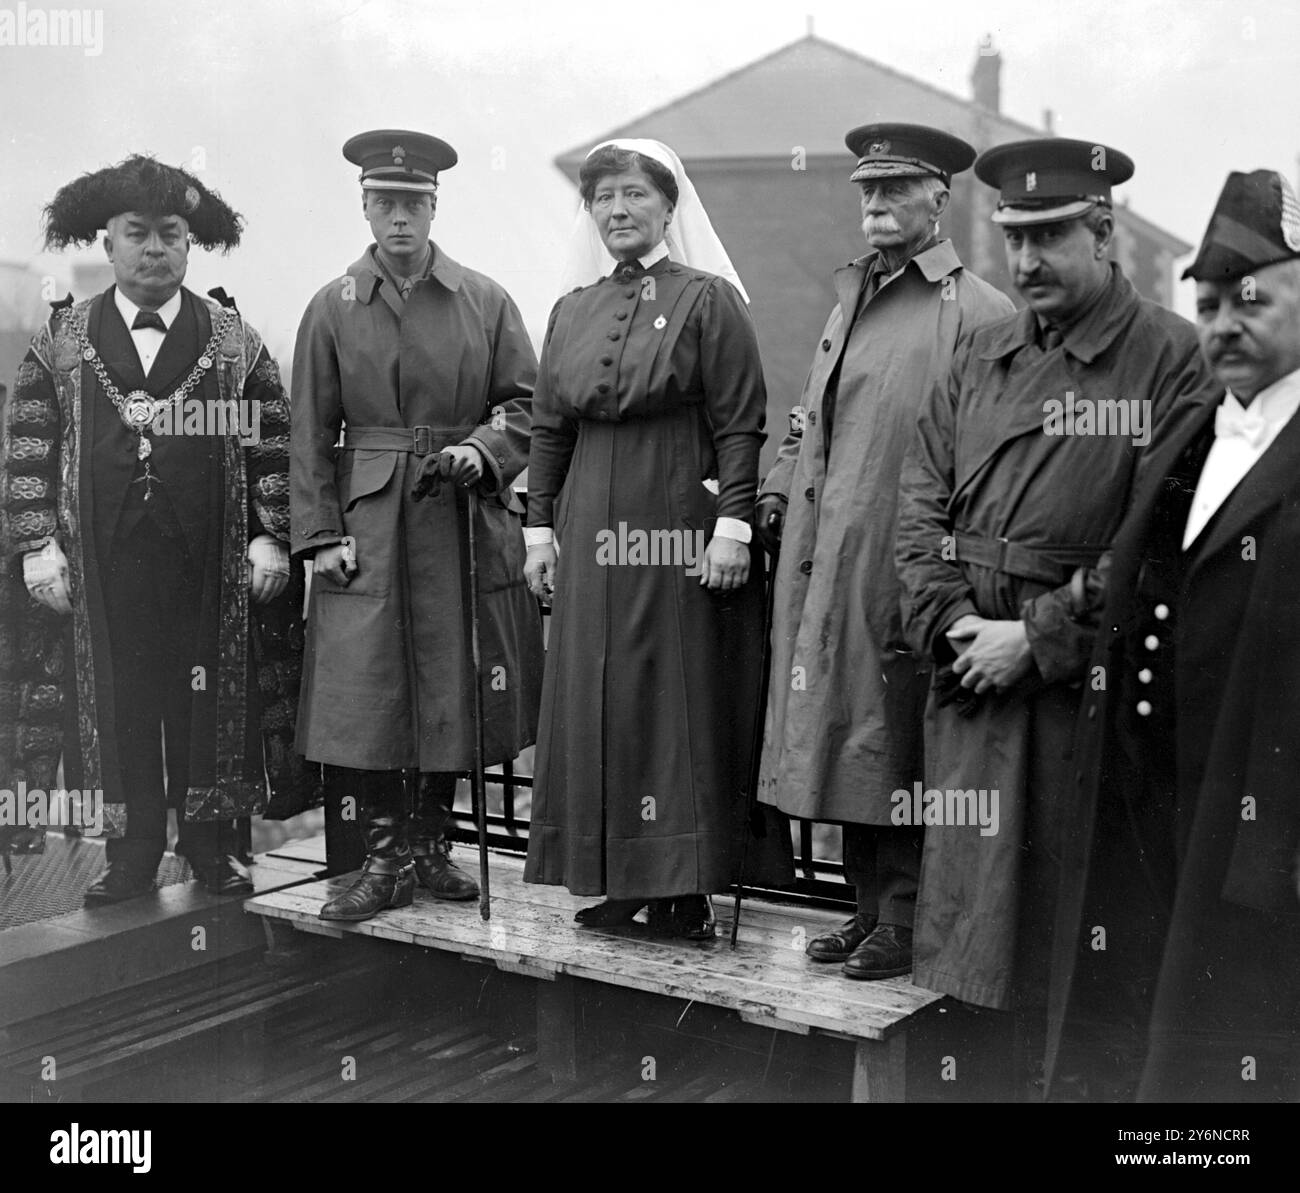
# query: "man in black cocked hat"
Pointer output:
{"type": "Point", "coordinates": [1183, 843]}
{"type": "Point", "coordinates": [145, 470]}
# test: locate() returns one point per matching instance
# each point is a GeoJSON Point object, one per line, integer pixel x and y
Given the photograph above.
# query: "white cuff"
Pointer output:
{"type": "Point", "coordinates": [733, 528]}
{"type": "Point", "coordinates": [538, 536]}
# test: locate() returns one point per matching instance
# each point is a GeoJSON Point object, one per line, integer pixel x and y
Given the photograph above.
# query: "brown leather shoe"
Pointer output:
{"type": "Point", "coordinates": [222, 874]}
{"type": "Point", "coordinates": [441, 877]}
{"type": "Point", "coordinates": [886, 953]}
{"type": "Point", "coordinates": [119, 881]}
{"type": "Point", "coordinates": [839, 945]}
{"type": "Point", "coordinates": [374, 891]}
{"type": "Point", "coordinates": [693, 918]}
{"type": "Point", "coordinates": [612, 913]}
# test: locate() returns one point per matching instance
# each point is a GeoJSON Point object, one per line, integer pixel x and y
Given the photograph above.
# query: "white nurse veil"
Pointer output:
{"type": "Point", "coordinates": [691, 239]}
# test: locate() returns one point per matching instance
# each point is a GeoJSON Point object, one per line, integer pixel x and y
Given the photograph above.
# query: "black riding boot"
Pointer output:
{"type": "Point", "coordinates": [433, 865]}
{"type": "Point", "coordinates": [388, 879]}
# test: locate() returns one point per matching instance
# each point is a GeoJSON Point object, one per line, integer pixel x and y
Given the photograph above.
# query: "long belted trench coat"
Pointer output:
{"type": "Point", "coordinates": [388, 674]}
{"type": "Point", "coordinates": [843, 723]}
{"type": "Point", "coordinates": [988, 462]}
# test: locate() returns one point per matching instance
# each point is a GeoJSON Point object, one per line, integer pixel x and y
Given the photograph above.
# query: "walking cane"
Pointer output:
{"type": "Point", "coordinates": [756, 751]}
{"type": "Point", "coordinates": [478, 783]}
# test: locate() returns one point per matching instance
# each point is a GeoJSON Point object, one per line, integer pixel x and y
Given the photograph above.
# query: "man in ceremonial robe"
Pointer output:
{"type": "Point", "coordinates": [155, 649]}
{"type": "Point", "coordinates": [424, 367]}
{"type": "Point", "coordinates": [1015, 485]}
{"type": "Point", "coordinates": [1185, 828]}
{"type": "Point", "coordinates": [847, 696]}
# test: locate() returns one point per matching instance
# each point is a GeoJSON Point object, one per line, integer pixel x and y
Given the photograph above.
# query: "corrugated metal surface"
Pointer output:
{"type": "Point", "coordinates": [52, 883]}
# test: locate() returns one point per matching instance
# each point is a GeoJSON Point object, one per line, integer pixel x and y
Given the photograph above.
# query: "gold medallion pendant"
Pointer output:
{"type": "Point", "coordinates": [138, 409]}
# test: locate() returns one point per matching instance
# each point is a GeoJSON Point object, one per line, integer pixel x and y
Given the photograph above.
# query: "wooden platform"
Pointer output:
{"type": "Point", "coordinates": [58, 962]}
{"type": "Point", "coordinates": [766, 981]}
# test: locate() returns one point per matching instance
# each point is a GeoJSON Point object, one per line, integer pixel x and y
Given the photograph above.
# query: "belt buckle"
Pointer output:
{"type": "Point", "coordinates": [423, 440]}
{"type": "Point", "coordinates": [1003, 546]}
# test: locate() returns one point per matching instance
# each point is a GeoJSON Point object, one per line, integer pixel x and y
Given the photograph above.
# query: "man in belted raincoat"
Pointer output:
{"type": "Point", "coordinates": [410, 368]}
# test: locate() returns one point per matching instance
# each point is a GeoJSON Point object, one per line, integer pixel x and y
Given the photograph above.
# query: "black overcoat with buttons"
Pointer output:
{"type": "Point", "coordinates": [650, 397]}
{"type": "Point", "coordinates": [1181, 850]}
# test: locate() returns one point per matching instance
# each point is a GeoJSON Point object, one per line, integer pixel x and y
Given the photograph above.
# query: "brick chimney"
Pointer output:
{"type": "Point", "coordinates": [986, 76]}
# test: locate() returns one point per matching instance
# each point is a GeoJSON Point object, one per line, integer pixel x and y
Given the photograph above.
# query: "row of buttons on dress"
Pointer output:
{"type": "Point", "coordinates": [614, 335]}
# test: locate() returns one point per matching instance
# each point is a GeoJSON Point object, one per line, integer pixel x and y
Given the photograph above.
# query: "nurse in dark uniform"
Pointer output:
{"type": "Point", "coordinates": [647, 424]}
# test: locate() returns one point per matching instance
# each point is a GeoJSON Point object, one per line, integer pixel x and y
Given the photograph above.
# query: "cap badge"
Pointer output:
{"type": "Point", "coordinates": [877, 147]}
{"type": "Point", "coordinates": [1290, 216]}
{"type": "Point", "coordinates": [399, 154]}
{"type": "Point", "coordinates": [191, 198]}
{"type": "Point", "coordinates": [1031, 181]}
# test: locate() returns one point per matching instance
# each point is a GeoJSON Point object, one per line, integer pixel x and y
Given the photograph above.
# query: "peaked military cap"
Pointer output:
{"type": "Point", "coordinates": [1051, 178]}
{"type": "Point", "coordinates": [1256, 222]}
{"type": "Point", "coordinates": [399, 160]}
{"type": "Point", "coordinates": [82, 208]}
{"type": "Point", "coordinates": [907, 151]}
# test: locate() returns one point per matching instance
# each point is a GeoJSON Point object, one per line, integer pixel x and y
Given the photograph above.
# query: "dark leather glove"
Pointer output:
{"type": "Point", "coordinates": [432, 472]}
{"type": "Point", "coordinates": [769, 521]}
{"type": "Point", "coordinates": [948, 690]}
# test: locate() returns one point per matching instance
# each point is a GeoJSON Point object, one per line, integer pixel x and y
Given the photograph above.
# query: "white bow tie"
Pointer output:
{"type": "Point", "coordinates": [1244, 424]}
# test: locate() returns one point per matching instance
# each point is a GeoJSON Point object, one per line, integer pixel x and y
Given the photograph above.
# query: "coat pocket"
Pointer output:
{"type": "Point", "coordinates": [362, 473]}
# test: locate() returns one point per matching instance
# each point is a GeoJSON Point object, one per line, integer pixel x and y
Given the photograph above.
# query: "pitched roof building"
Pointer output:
{"type": "Point", "coordinates": [764, 146]}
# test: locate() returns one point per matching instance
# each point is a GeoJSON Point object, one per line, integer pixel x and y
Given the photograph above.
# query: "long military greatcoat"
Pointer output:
{"type": "Point", "coordinates": [68, 462]}
{"type": "Point", "coordinates": [844, 715]}
{"type": "Point", "coordinates": [647, 390]}
{"type": "Point", "coordinates": [988, 463]}
{"type": "Point", "coordinates": [388, 677]}
{"type": "Point", "coordinates": [1183, 839]}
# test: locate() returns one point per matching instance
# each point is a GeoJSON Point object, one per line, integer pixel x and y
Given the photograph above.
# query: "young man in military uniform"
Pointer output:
{"type": "Point", "coordinates": [155, 655]}
{"type": "Point", "coordinates": [424, 368]}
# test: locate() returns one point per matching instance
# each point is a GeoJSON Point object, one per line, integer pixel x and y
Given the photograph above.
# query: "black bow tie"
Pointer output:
{"type": "Point", "coordinates": [627, 271]}
{"type": "Point", "coordinates": [152, 319]}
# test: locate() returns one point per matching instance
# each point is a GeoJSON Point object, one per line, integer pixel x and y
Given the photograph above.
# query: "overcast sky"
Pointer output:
{"type": "Point", "coordinates": [262, 94]}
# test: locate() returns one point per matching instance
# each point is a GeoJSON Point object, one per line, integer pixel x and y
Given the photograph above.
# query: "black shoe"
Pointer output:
{"type": "Point", "coordinates": [119, 881]}
{"type": "Point", "coordinates": [612, 913]}
{"type": "Point", "coordinates": [221, 874]}
{"type": "Point", "coordinates": [839, 945]}
{"type": "Point", "coordinates": [659, 918]}
{"type": "Point", "coordinates": [886, 953]}
{"type": "Point", "coordinates": [373, 892]}
{"type": "Point", "coordinates": [693, 918]}
{"type": "Point", "coordinates": [441, 877]}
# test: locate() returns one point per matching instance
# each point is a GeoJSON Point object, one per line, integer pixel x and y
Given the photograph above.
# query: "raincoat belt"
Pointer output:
{"type": "Point", "coordinates": [1044, 565]}
{"type": "Point", "coordinates": [419, 441]}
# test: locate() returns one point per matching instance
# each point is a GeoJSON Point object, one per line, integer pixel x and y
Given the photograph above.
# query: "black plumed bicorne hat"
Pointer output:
{"type": "Point", "coordinates": [82, 208]}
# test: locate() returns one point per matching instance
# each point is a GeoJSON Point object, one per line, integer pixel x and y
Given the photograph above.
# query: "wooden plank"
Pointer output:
{"type": "Point", "coordinates": [746, 979]}
{"type": "Point", "coordinates": [577, 952]}
{"type": "Point", "coordinates": [880, 1070]}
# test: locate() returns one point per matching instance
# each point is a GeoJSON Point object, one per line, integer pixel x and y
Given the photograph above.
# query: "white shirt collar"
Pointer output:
{"type": "Point", "coordinates": [658, 253]}
{"type": "Point", "coordinates": [1275, 404]}
{"type": "Point", "coordinates": [167, 312]}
